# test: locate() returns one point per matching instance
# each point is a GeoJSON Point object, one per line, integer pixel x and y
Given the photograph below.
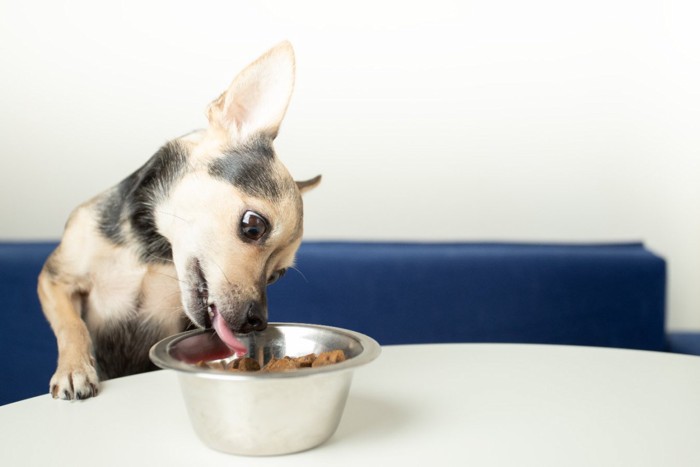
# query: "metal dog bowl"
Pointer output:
{"type": "Point", "coordinates": [263, 413]}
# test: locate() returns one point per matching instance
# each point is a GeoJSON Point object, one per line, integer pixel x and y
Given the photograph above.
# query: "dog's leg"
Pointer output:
{"type": "Point", "coordinates": [75, 376]}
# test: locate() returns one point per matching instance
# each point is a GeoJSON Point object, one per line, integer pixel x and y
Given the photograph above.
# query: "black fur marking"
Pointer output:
{"type": "Point", "coordinates": [131, 203]}
{"type": "Point", "coordinates": [248, 167]}
{"type": "Point", "coordinates": [121, 348]}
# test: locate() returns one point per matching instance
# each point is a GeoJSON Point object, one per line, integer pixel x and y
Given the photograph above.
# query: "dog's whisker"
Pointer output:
{"type": "Point", "coordinates": [222, 272]}
{"type": "Point", "coordinates": [160, 211]}
{"type": "Point", "coordinates": [299, 272]}
{"type": "Point", "coordinates": [175, 278]}
{"type": "Point", "coordinates": [160, 258]}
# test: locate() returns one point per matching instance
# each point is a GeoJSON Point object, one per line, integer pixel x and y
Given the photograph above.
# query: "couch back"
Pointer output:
{"type": "Point", "coordinates": [27, 344]}
{"type": "Point", "coordinates": [601, 295]}
{"type": "Point", "coordinates": [404, 293]}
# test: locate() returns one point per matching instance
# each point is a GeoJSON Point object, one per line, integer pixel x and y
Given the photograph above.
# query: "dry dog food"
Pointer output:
{"type": "Point", "coordinates": [279, 364]}
{"type": "Point", "coordinates": [245, 364]}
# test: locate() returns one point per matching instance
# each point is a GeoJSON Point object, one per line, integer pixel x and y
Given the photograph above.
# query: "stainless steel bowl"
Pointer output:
{"type": "Point", "coordinates": [265, 413]}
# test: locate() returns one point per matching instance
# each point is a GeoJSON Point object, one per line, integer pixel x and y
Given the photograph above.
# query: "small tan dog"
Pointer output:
{"type": "Point", "coordinates": [191, 238]}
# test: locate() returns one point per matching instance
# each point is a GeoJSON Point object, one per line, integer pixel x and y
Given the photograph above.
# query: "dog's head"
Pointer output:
{"type": "Point", "coordinates": [235, 218]}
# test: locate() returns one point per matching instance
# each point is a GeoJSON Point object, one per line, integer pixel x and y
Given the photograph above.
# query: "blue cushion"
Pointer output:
{"type": "Point", "coordinates": [684, 342]}
{"type": "Point", "coordinates": [603, 295]}
{"type": "Point", "coordinates": [28, 350]}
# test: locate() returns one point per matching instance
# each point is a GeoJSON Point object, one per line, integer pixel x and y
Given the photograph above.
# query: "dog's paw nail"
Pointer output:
{"type": "Point", "coordinates": [86, 392]}
{"type": "Point", "coordinates": [79, 382]}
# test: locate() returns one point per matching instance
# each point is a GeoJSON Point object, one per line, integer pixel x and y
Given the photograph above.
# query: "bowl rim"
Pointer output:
{"type": "Point", "coordinates": [160, 356]}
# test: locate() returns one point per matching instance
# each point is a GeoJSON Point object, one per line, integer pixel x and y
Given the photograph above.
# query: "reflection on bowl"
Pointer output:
{"type": "Point", "coordinates": [265, 413]}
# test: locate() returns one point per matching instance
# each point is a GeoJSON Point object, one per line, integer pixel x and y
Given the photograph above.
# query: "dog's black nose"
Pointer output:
{"type": "Point", "coordinates": [256, 317]}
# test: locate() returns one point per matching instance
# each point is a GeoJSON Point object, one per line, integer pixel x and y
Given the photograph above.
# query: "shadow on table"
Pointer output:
{"type": "Point", "coordinates": [366, 417]}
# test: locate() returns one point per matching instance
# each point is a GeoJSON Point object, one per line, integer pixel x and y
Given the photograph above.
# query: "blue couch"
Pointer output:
{"type": "Point", "coordinates": [597, 295]}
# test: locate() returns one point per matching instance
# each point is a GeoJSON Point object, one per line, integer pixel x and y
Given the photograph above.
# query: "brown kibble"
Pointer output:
{"type": "Point", "coordinates": [329, 358]}
{"type": "Point", "coordinates": [305, 361]}
{"type": "Point", "coordinates": [277, 364]}
{"type": "Point", "coordinates": [217, 365]}
{"type": "Point", "coordinates": [245, 364]}
{"type": "Point", "coordinates": [282, 364]}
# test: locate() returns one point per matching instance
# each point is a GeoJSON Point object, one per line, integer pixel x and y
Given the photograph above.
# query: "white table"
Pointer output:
{"type": "Point", "coordinates": [430, 405]}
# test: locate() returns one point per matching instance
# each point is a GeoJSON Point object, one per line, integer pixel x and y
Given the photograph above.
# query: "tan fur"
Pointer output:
{"type": "Point", "coordinates": [91, 282]}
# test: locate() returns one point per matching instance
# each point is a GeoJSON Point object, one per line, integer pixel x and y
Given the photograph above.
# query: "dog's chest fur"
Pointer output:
{"type": "Point", "coordinates": [130, 307]}
{"type": "Point", "coordinates": [127, 304]}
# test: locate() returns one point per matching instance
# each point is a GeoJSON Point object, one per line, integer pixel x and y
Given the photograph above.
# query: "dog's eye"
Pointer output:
{"type": "Point", "coordinates": [276, 276]}
{"type": "Point", "coordinates": [253, 226]}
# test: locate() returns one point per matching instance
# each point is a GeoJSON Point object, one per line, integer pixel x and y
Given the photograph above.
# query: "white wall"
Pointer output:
{"type": "Point", "coordinates": [448, 120]}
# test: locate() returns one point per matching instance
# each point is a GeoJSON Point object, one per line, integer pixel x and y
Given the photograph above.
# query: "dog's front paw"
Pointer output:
{"type": "Point", "coordinates": [74, 381]}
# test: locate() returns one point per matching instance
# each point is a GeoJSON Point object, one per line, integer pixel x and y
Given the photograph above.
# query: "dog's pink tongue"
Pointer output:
{"type": "Point", "coordinates": [227, 336]}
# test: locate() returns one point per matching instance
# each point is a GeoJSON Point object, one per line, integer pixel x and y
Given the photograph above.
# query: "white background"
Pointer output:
{"type": "Point", "coordinates": [442, 120]}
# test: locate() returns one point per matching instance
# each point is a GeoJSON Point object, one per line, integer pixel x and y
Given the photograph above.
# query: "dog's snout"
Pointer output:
{"type": "Point", "coordinates": [256, 317]}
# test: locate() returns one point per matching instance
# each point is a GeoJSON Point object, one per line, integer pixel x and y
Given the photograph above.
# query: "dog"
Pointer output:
{"type": "Point", "coordinates": [190, 240]}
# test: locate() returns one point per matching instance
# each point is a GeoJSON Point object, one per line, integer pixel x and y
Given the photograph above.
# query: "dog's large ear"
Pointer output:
{"type": "Point", "coordinates": [310, 184]}
{"type": "Point", "coordinates": [257, 99]}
